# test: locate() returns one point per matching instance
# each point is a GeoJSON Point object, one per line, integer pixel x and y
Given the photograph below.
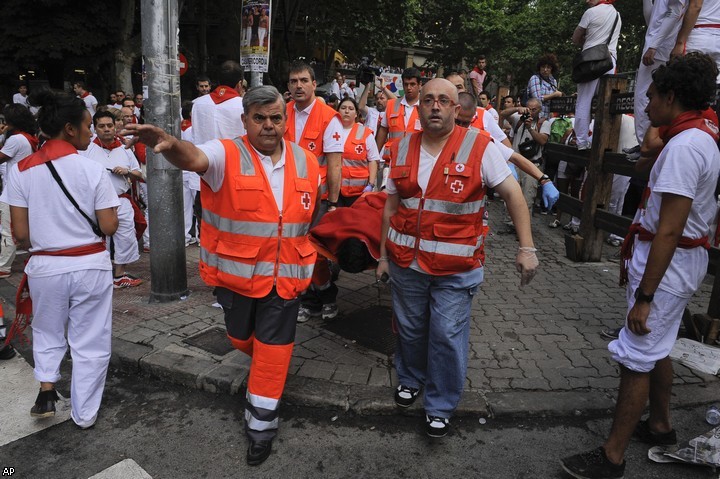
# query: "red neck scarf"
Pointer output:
{"type": "Point", "coordinates": [51, 150]}
{"type": "Point", "coordinates": [223, 93]}
{"type": "Point", "coordinates": [87, 93]}
{"type": "Point", "coordinates": [185, 124]}
{"type": "Point", "coordinates": [687, 120]}
{"type": "Point", "coordinates": [33, 140]}
{"type": "Point", "coordinates": [115, 143]}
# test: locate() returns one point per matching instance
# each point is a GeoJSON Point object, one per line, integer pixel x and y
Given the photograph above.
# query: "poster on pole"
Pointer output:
{"type": "Point", "coordinates": [255, 35]}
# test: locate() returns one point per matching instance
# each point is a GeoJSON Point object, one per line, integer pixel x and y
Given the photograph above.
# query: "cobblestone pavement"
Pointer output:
{"type": "Point", "coordinates": [543, 338]}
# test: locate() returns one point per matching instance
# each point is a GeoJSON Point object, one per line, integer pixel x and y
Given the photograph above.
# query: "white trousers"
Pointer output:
{"type": "Point", "coordinates": [188, 202]}
{"type": "Point", "coordinates": [7, 244]}
{"type": "Point", "coordinates": [124, 240]}
{"type": "Point", "coordinates": [80, 301]}
{"type": "Point", "coordinates": [643, 80]}
{"type": "Point", "coordinates": [706, 40]}
{"type": "Point", "coordinates": [583, 104]}
{"type": "Point", "coordinates": [262, 32]}
{"type": "Point", "coordinates": [142, 191]}
{"type": "Point", "coordinates": [620, 186]}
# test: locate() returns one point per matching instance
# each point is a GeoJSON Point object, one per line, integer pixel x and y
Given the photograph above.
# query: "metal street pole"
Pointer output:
{"type": "Point", "coordinates": [168, 274]}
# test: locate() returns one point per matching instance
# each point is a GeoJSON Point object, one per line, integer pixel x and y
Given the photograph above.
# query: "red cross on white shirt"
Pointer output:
{"type": "Point", "coordinates": [336, 136]}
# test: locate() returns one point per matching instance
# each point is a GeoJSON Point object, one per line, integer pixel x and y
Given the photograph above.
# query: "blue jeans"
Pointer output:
{"type": "Point", "coordinates": [433, 319]}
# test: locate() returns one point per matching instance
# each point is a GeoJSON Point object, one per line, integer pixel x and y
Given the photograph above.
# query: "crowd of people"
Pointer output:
{"type": "Point", "coordinates": [284, 191]}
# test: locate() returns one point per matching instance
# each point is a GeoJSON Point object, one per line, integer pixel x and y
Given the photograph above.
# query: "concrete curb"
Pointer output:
{"type": "Point", "coordinates": [210, 376]}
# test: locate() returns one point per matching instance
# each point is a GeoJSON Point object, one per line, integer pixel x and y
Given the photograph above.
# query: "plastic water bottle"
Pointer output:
{"type": "Point", "coordinates": [712, 416]}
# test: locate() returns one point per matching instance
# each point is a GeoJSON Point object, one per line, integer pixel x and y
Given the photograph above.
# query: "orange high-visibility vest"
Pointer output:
{"type": "Point", "coordinates": [312, 135]}
{"type": "Point", "coordinates": [479, 120]}
{"type": "Point", "coordinates": [355, 172]}
{"type": "Point", "coordinates": [443, 229]}
{"type": "Point", "coordinates": [248, 246]}
{"type": "Point", "coordinates": [397, 129]}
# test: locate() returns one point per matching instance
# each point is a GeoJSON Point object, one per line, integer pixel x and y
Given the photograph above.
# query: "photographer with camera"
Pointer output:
{"type": "Point", "coordinates": [373, 114]}
{"type": "Point", "coordinates": [529, 134]}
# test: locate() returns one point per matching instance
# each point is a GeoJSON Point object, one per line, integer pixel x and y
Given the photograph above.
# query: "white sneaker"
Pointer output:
{"type": "Point", "coordinates": [329, 311]}
{"type": "Point", "coordinates": [304, 314]}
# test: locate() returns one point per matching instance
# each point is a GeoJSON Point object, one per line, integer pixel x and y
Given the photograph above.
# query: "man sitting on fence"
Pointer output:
{"type": "Point", "coordinates": [668, 263]}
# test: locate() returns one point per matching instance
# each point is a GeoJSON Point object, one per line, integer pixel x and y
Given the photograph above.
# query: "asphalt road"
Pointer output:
{"type": "Point", "coordinates": [173, 432]}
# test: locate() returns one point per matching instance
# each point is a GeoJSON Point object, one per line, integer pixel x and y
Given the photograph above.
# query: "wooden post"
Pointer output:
{"type": "Point", "coordinates": [598, 185]}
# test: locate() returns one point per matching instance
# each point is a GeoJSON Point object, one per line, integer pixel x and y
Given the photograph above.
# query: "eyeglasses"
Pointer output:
{"type": "Point", "coordinates": [260, 119]}
{"type": "Point", "coordinates": [443, 101]}
{"type": "Point", "coordinates": [464, 124]}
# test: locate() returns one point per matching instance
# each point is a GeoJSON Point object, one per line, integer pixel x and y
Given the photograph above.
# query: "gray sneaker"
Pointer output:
{"type": "Point", "coordinates": [304, 314]}
{"type": "Point", "coordinates": [329, 311]}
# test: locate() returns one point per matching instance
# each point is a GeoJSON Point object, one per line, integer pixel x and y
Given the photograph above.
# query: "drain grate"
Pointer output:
{"type": "Point", "coordinates": [370, 327]}
{"type": "Point", "coordinates": [213, 340]}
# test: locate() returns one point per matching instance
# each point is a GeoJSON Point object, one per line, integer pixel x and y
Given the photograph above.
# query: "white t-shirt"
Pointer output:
{"type": "Point", "coordinates": [90, 103]}
{"type": "Point", "coordinates": [598, 23]}
{"type": "Point", "coordinates": [665, 22]}
{"type": "Point", "coordinates": [490, 125]}
{"type": "Point", "coordinates": [370, 144]}
{"type": "Point", "coordinates": [20, 100]}
{"type": "Point", "coordinates": [331, 135]}
{"type": "Point", "coordinates": [16, 148]}
{"type": "Point", "coordinates": [374, 119]}
{"type": "Point", "coordinates": [53, 220]}
{"type": "Point", "coordinates": [494, 169]}
{"type": "Point", "coordinates": [408, 113]}
{"type": "Point", "coordinates": [709, 13]}
{"type": "Point", "coordinates": [688, 166]}
{"type": "Point", "coordinates": [217, 121]}
{"type": "Point", "coordinates": [109, 159]}
{"type": "Point", "coordinates": [494, 113]}
{"type": "Point", "coordinates": [215, 174]}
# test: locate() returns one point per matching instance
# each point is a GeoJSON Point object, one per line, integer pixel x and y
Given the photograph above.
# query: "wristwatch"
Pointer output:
{"type": "Point", "coordinates": [641, 297]}
{"type": "Point", "coordinates": [543, 178]}
{"type": "Point", "coordinates": [332, 204]}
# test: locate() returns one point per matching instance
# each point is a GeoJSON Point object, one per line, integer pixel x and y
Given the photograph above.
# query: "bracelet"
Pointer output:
{"type": "Point", "coordinates": [527, 249]}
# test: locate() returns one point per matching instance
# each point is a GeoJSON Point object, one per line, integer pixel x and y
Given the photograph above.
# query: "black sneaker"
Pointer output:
{"type": "Point", "coordinates": [644, 434]}
{"type": "Point", "coordinates": [7, 352]}
{"type": "Point", "coordinates": [436, 426]}
{"type": "Point", "coordinates": [44, 404]}
{"type": "Point", "coordinates": [611, 333]}
{"type": "Point", "coordinates": [405, 396]}
{"type": "Point", "coordinates": [593, 465]}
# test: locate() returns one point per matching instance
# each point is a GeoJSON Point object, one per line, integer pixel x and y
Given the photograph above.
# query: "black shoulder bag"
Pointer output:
{"type": "Point", "coordinates": [93, 225]}
{"type": "Point", "coordinates": [594, 62]}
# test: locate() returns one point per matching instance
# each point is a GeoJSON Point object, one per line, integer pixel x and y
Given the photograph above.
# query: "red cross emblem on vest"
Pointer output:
{"type": "Point", "coordinates": [359, 149]}
{"type": "Point", "coordinates": [306, 200]}
{"type": "Point", "coordinates": [457, 186]}
{"type": "Point", "coordinates": [336, 136]}
{"type": "Point", "coordinates": [311, 146]}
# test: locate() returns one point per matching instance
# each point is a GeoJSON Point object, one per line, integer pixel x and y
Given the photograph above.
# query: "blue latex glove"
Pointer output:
{"type": "Point", "coordinates": [513, 170]}
{"type": "Point", "coordinates": [550, 194]}
{"type": "Point", "coordinates": [368, 189]}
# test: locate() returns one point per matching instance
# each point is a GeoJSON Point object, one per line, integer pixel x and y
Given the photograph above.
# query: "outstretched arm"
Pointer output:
{"type": "Point", "coordinates": [182, 154]}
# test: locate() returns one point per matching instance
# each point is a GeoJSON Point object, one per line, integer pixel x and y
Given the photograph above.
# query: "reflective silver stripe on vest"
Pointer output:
{"type": "Point", "coordinates": [300, 160]}
{"type": "Point", "coordinates": [354, 163]}
{"type": "Point", "coordinates": [247, 167]}
{"type": "Point", "coordinates": [400, 239]}
{"type": "Point", "coordinates": [323, 189]}
{"type": "Point", "coordinates": [251, 228]}
{"type": "Point", "coordinates": [360, 132]}
{"type": "Point", "coordinates": [403, 148]}
{"type": "Point", "coordinates": [395, 134]}
{"type": "Point", "coordinates": [251, 422]}
{"type": "Point", "coordinates": [412, 203]}
{"type": "Point", "coordinates": [451, 208]}
{"type": "Point", "coordinates": [322, 160]}
{"type": "Point", "coordinates": [466, 146]}
{"type": "Point", "coordinates": [452, 249]}
{"type": "Point", "coordinates": [355, 182]}
{"type": "Point", "coordinates": [296, 271]}
{"type": "Point", "coordinates": [241, 270]}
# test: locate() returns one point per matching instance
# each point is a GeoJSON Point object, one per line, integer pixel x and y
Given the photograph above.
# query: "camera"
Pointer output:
{"type": "Point", "coordinates": [366, 72]}
{"type": "Point", "coordinates": [524, 117]}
